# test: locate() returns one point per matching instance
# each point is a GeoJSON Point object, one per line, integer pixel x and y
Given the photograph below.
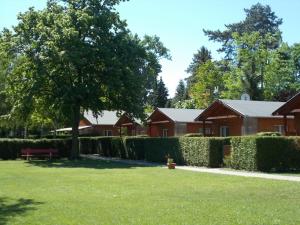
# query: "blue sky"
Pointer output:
{"type": "Point", "coordinates": [179, 24]}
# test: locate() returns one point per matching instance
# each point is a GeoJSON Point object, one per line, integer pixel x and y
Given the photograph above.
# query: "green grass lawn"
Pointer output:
{"type": "Point", "coordinates": [91, 192]}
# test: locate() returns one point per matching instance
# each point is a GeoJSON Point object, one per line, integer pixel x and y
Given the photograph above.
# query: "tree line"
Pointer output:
{"type": "Point", "coordinates": [255, 60]}
{"type": "Point", "coordinates": [72, 56]}
{"type": "Point", "coordinates": [77, 55]}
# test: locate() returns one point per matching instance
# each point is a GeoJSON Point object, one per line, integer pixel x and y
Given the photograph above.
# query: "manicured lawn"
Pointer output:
{"type": "Point", "coordinates": [89, 192]}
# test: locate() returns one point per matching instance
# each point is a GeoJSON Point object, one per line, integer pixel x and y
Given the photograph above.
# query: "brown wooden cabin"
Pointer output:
{"type": "Point", "coordinates": [290, 108]}
{"type": "Point", "coordinates": [168, 122]}
{"type": "Point", "coordinates": [242, 117]}
{"type": "Point", "coordinates": [100, 125]}
{"type": "Point", "coordinates": [130, 126]}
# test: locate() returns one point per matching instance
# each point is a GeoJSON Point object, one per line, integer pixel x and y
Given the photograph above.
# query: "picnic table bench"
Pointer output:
{"type": "Point", "coordinates": [28, 153]}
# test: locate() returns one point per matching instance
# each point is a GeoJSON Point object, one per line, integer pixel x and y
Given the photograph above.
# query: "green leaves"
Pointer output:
{"type": "Point", "coordinates": [208, 81]}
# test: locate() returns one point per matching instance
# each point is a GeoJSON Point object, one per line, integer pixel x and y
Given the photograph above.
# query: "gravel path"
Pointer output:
{"type": "Point", "coordinates": [201, 169]}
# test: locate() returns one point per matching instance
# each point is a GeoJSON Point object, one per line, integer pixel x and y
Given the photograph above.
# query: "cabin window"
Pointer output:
{"type": "Point", "coordinates": [165, 132]}
{"type": "Point", "coordinates": [207, 131]}
{"type": "Point", "coordinates": [180, 129]}
{"type": "Point", "coordinates": [224, 131]}
{"type": "Point", "coordinates": [133, 132]}
{"type": "Point", "coordinates": [279, 129]}
{"type": "Point", "coordinates": [107, 132]}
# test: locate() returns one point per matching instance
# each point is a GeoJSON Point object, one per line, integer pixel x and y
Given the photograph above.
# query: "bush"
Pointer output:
{"type": "Point", "coordinates": [184, 150]}
{"type": "Point", "coordinates": [193, 135]}
{"type": "Point", "coordinates": [275, 134]}
{"type": "Point", "coordinates": [202, 151]}
{"type": "Point", "coordinates": [104, 146]}
{"type": "Point", "coordinates": [196, 151]}
{"type": "Point", "coordinates": [11, 148]}
{"type": "Point", "coordinates": [264, 153]}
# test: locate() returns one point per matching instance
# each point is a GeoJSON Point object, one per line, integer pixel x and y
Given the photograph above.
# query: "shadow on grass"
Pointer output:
{"type": "Point", "coordinates": [10, 208]}
{"type": "Point", "coordinates": [84, 163]}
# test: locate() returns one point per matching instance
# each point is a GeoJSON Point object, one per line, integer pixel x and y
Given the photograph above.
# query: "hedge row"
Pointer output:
{"type": "Point", "coordinates": [265, 153]}
{"type": "Point", "coordinates": [11, 148]}
{"type": "Point", "coordinates": [196, 151]}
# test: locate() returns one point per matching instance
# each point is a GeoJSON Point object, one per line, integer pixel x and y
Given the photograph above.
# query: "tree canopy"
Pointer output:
{"type": "Point", "coordinates": [76, 55]}
{"type": "Point", "coordinates": [259, 18]}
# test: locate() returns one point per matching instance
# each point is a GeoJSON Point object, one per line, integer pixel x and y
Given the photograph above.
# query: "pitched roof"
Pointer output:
{"type": "Point", "coordinates": [105, 118]}
{"type": "Point", "coordinates": [248, 108]}
{"type": "Point", "coordinates": [181, 115]}
{"type": "Point", "coordinates": [253, 108]}
{"type": "Point", "coordinates": [124, 116]}
{"type": "Point", "coordinates": [289, 107]}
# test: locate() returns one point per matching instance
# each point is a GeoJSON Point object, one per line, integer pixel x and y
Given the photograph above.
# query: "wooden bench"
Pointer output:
{"type": "Point", "coordinates": [28, 153]}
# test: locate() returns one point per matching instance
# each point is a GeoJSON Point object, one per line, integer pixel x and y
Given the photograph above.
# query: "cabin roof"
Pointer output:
{"type": "Point", "coordinates": [290, 107]}
{"type": "Point", "coordinates": [258, 109]}
{"type": "Point", "coordinates": [105, 118]}
{"type": "Point", "coordinates": [180, 115]}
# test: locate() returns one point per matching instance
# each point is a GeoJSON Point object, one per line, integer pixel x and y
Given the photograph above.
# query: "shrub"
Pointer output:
{"type": "Point", "coordinates": [104, 146]}
{"type": "Point", "coordinates": [265, 153]}
{"type": "Point", "coordinates": [275, 134]}
{"type": "Point", "coordinates": [157, 149]}
{"type": "Point", "coordinates": [243, 153]}
{"type": "Point", "coordinates": [193, 135]}
{"type": "Point", "coordinates": [196, 151]}
{"type": "Point", "coordinates": [11, 148]}
{"type": "Point", "coordinates": [184, 150]}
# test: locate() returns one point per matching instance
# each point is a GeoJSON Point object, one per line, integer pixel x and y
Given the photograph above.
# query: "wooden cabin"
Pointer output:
{"type": "Point", "coordinates": [130, 126]}
{"type": "Point", "coordinates": [168, 122]}
{"type": "Point", "coordinates": [101, 125]}
{"type": "Point", "coordinates": [243, 117]}
{"type": "Point", "coordinates": [290, 108]}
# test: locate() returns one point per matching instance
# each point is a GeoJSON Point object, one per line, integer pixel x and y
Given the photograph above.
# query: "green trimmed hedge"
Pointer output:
{"type": "Point", "coordinates": [11, 148]}
{"type": "Point", "coordinates": [196, 151]}
{"type": "Point", "coordinates": [265, 153]}
{"type": "Point", "coordinates": [104, 146]}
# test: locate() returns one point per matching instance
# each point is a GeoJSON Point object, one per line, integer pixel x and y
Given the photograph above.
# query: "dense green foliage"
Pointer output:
{"type": "Point", "coordinates": [200, 57]}
{"type": "Point", "coordinates": [256, 62]}
{"type": "Point", "coordinates": [159, 95]}
{"type": "Point", "coordinates": [181, 95]}
{"type": "Point", "coordinates": [196, 151]}
{"type": "Point", "coordinates": [265, 153]}
{"type": "Point", "coordinates": [207, 82]}
{"type": "Point", "coordinates": [11, 148]}
{"type": "Point", "coordinates": [259, 18]}
{"type": "Point", "coordinates": [269, 134]}
{"type": "Point", "coordinates": [77, 55]}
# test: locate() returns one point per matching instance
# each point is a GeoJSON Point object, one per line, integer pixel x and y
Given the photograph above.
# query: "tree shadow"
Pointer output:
{"type": "Point", "coordinates": [10, 209]}
{"type": "Point", "coordinates": [85, 163]}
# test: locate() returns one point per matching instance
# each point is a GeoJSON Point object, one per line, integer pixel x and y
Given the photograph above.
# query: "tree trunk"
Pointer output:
{"type": "Point", "coordinates": [75, 132]}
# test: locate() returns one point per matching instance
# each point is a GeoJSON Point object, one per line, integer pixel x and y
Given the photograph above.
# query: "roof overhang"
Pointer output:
{"type": "Point", "coordinates": [70, 128]}
{"type": "Point", "coordinates": [291, 107]}
{"type": "Point", "coordinates": [157, 110]}
{"type": "Point", "coordinates": [218, 110]}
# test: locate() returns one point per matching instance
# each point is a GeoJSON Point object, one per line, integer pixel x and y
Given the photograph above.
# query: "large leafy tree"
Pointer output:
{"type": "Point", "coordinates": [259, 18]}
{"type": "Point", "coordinates": [295, 54]}
{"type": "Point", "coordinates": [76, 55]}
{"type": "Point", "coordinates": [249, 64]}
{"type": "Point", "coordinates": [281, 80]}
{"type": "Point", "coordinates": [208, 83]}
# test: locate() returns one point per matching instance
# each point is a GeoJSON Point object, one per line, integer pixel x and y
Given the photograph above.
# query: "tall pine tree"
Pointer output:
{"type": "Point", "coordinates": [259, 18]}
{"type": "Point", "coordinates": [181, 92]}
